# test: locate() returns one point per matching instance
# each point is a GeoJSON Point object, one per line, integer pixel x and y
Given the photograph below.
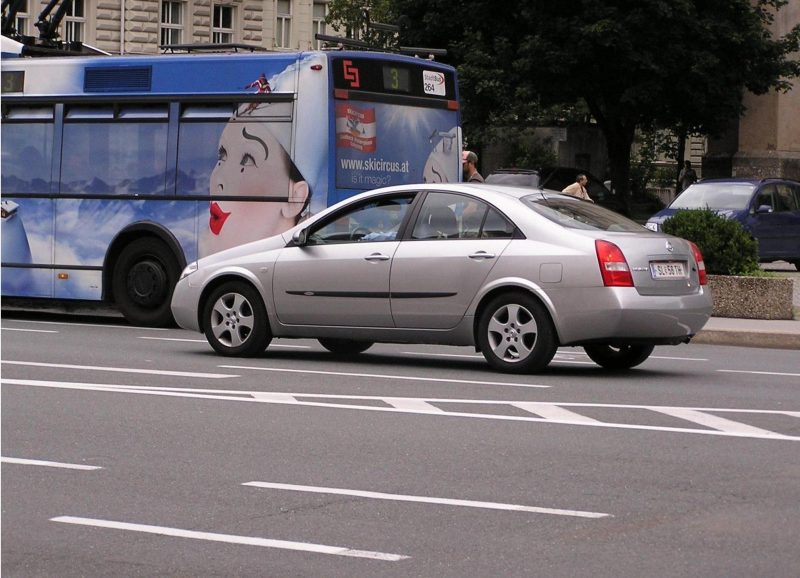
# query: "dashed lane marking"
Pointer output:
{"type": "Point", "coordinates": [427, 500]}
{"type": "Point", "coordinates": [230, 538]}
{"type": "Point", "coordinates": [26, 462]}
{"type": "Point", "coordinates": [121, 369]}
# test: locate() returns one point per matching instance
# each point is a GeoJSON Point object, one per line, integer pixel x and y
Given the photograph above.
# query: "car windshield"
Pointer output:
{"type": "Point", "coordinates": [578, 214]}
{"type": "Point", "coordinates": [715, 196]}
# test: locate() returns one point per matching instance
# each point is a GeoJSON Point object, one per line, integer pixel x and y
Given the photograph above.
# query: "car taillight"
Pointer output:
{"type": "Point", "coordinates": [613, 266]}
{"type": "Point", "coordinates": [701, 265]}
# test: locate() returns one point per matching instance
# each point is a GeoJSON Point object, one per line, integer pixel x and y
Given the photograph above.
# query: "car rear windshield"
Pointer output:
{"type": "Point", "coordinates": [514, 179]}
{"type": "Point", "coordinates": [715, 196]}
{"type": "Point", "coordinates": [578, 214]}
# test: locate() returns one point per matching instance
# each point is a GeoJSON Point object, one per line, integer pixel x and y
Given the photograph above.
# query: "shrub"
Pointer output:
{"type": "Point", "coordinates": [727, 248]}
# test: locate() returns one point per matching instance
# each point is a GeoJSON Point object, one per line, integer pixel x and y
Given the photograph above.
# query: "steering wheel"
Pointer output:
{"type": "Point", "coordinates": [358, 233]}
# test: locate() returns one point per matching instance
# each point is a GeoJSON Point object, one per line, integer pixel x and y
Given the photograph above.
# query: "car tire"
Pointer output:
{"type": "Point", "coordinates": [345, 347]}
{"type": "Point", "coordinates": [516, 334]}
{"type": "Point", "coordinates": [618, 357]}
{"type": "Point", "coordinates": [143, 280]}
{"type": "Point", "coordinates": [235, 320]}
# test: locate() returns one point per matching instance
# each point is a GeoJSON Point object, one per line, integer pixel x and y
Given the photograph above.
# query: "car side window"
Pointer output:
{"type": "Point", "coordinates": [766, 196]}
{"type": "Point", "coordinates": [378, 220]}
{"type": "Point", "coordinates": [785, 198]}
{"type": "Point", "coordinates": [453, 216]}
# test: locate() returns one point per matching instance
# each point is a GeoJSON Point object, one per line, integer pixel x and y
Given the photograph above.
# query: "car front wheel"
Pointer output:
{"type": "Point", "coordinates": [516, 334]}
{"type": "Point", "coordinates": [618, 357]}
{"type": "Point", "coordinates": [235, 320]}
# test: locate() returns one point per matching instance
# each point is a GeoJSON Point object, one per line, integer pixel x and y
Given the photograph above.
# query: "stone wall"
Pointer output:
{"type": "Point", "coordinates": [751, 297]}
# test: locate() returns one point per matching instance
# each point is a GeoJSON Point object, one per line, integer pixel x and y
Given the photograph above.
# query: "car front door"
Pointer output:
{"type": "Point", "coordinates": [437, 270]}
{"type": "Point", "coordinates": [340, 277]}
{"type": "Point", "coordinates": [778, 231]}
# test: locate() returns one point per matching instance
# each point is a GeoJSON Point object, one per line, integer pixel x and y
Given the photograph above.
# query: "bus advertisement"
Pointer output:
{"type": "Point", "coordinates": [117, 171]}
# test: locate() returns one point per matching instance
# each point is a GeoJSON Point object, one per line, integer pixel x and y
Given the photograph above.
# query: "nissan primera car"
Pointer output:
{"type": "Point", "coordinates": [513, 272]}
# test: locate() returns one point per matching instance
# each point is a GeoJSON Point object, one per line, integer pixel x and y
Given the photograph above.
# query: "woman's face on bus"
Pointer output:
{"type": "Point", "coordinates": [250, 162]}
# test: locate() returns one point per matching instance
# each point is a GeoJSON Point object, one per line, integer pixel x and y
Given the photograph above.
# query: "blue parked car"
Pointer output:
{"type": "Point", "coordinates": [769, 209]}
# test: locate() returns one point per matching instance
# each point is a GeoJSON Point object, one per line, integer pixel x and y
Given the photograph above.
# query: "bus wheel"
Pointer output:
{"type": "Point", "coordinates": [144, 278]}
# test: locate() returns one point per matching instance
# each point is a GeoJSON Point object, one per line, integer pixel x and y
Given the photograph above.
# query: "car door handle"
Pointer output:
{"type": "Point", "coordinates": [377, 257]}
{"type": "Point", "coordinates": [482, 255]}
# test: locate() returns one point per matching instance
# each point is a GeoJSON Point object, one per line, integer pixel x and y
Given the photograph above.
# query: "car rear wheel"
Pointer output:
{"type": "Point", "coordinates": [618, 357]}
{"type": "Point", "coordinates": [235, 320]}
{"type": "Point", "coordinates": [345, 347]}
{"type": "Point", "coordinates": [516, 334]}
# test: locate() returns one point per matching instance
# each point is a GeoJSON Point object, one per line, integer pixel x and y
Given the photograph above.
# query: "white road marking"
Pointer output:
{"type": "Point", "coordinates": [275, 398]}
{"type": "Point", "coordinates": [550, 411]}
{"type": "Point", "coordinates": [173, 339]}
{"type": "Point", "coordinates": [206, 341]}
{"type": "Point", "coordinates": [71, 324]}
{"type": "Point", "coordinates": [62, 465]}
{"type": "Point", "coordinates": [412, 404]}
{"type": "Point", "coordinates": [427, 500]}
{"type": "Point", "coordinates": [461, 355]}
{"type": "Point", "coordinates": [760, 372]}
{"type": "Point", "coordinates": [121, 369]}
{"type": "Point", "coordinates": [29, 330]}
{"type": "Point", "coordinates": [381, 376]}
{"type": "Point", "coordinates": [709, 420]}
{"type": "Point", "coordinates": [230, 538]}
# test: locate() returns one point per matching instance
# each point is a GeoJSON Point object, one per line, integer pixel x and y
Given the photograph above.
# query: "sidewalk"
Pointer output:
{"type": "Point", "coordinates": [750, 333]}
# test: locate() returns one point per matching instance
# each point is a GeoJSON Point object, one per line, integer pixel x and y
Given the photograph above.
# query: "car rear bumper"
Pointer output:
{"type": "Point", "coordinates": [629, 317]}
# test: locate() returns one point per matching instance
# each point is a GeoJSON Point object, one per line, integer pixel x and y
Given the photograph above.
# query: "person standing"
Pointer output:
{"type": "Point", "coordinates": [578, 188]}
{"type": "Point", "coordinates": [469, 166]}
{"type": "Point", "coordinates": [687, 175]}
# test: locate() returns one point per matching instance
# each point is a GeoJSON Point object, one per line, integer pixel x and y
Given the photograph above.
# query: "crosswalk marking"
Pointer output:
{"type": "Point", "coordinates": [714, 421]}
{"type": "Point", "coordinates": [555, 412]}
{"type": "Point", "coordinates": [551, 411]}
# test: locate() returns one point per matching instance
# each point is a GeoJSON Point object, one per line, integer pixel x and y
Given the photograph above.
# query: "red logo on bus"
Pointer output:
{"type": "Point", "coordinates": [351, 73]}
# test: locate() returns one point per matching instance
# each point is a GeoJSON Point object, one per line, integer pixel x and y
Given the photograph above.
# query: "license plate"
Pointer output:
{"type": "Point", "coordinates": [668, 270]}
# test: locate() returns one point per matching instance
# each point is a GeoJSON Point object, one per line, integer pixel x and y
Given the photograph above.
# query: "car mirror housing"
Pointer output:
{"type": "Point", "coordinates": [764, 209]}
{"type": "Point", "coordinates": [300, 237]}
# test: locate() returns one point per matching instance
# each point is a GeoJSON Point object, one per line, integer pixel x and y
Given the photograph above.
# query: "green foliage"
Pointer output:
{"type": "Point", "coordinates": [647, 63]}
{"type": "Point", "coordinates": [726, 247]}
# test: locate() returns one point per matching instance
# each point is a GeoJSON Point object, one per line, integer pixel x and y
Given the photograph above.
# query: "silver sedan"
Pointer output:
{"type": "Point", "coordinates": [514, 272]}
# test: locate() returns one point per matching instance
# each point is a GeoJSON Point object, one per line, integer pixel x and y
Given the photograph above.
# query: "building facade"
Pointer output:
{"type": "Point", "coordinates": [143, 26]}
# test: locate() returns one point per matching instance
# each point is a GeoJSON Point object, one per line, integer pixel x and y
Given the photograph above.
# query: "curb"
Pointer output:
{"type": "Point", "coordinates": [768, 340]}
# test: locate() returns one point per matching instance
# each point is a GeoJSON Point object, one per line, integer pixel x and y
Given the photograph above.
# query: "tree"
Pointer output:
{"type": "Point", "coordinates": [682, 64]}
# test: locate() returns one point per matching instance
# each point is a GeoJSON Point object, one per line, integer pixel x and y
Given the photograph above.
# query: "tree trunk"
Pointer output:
{"type": "Point", "coordinates": [680, 134]}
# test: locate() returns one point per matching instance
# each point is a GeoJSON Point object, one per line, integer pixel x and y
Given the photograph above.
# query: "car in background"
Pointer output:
{"type": "Point", "coordinates": [768, 209]}
{"type": "Point", "coordinates": [556, 179]}
{"type": "Point", "coordinates": [514, 272]}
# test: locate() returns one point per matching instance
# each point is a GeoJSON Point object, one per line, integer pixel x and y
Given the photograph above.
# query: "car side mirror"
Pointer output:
{"type": "Point", "coordinates": [300, 237]}
{"type": "Point", "coordinates": [764, 209]}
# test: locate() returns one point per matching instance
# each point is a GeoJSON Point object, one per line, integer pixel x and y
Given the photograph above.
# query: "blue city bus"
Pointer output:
{"type": "Point", "coordinates": [117, 171]}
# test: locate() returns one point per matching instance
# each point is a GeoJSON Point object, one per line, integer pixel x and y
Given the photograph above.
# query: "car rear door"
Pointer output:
{"type": "Point", "coordinates": [778, 232]}
{"type": "Point", "coordinates": [439, 267]}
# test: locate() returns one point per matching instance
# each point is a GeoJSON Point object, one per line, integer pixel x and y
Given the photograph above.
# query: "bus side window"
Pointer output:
{"type": "Point", "coordinates": [27, 150]}
{"type": "Point", "coordinates": [114, 151]}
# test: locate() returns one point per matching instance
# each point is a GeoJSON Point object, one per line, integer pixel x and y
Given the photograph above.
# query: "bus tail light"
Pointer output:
{"type": "Point", "coordinates": [613, 266]}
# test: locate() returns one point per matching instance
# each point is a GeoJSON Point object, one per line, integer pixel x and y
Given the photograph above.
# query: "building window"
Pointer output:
{"type": "Point", "coordinates": [222, 27]}
{"type": "Point", "coordinates": [283, 26]}
{"type": "Point", "coordinates": [171, 22]}
{"type": "Point", "coordinates": [22, 19]}
{"type": "Point", "coordinates": [74, 22]}
{"type": "Point", "coordinates": [318, 22]}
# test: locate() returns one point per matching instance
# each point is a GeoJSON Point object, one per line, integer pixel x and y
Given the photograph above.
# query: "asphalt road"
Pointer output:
{"type": "Point", "coordinates": [138, 452]}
